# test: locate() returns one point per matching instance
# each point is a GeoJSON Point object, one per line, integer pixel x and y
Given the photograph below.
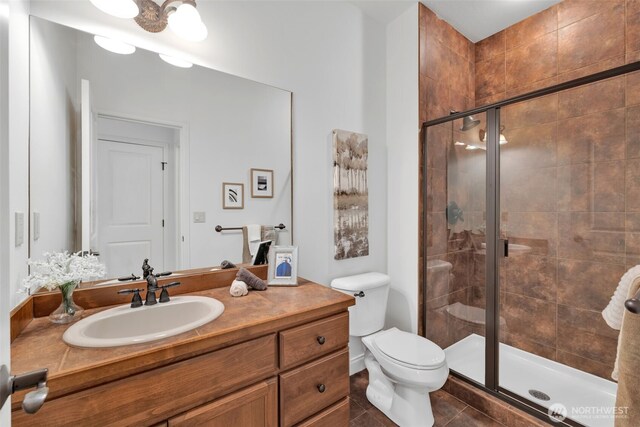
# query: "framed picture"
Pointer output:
{"type": "Point", "coordinates": [283, 266]}
{"type": "Point", "coordinates": [261, 183]}
{"type": "Point", "coordinates": [232, 195]}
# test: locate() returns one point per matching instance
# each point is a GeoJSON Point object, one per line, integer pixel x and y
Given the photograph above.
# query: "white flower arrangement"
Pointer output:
{"type": "Point", "coordinates": [60, 268]}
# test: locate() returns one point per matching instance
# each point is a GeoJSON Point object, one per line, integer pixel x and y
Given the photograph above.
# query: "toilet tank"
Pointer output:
{"type": "Point", "coordinates": [367, 316]}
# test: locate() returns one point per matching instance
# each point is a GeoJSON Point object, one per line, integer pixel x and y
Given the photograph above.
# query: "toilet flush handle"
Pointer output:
{"type": "Point", "coordinates": [359, 294]}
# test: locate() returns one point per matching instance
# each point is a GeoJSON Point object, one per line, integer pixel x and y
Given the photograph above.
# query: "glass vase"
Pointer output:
{"type": "Point", "coordinates": [68, 311]}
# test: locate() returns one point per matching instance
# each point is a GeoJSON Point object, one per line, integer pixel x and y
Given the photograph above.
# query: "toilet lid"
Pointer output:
{"type": "Point", "coordinates": [410, 349]}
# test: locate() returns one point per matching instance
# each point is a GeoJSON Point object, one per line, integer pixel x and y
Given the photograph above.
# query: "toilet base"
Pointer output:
{"type": "Point", "coordinates": [404, 405]}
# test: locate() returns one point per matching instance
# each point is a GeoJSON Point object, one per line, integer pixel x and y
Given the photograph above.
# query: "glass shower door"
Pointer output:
{"type": "Point", "coordinates": [563, 212]}
{"type": "Point", "coordinates": [455, 244]}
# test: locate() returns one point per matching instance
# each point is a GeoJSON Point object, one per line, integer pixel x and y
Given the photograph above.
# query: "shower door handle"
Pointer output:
{"type": "Point", "coordinates": [503, 244]}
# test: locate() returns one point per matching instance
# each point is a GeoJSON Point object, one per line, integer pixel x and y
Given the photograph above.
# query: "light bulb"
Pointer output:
{"type": "Point", "coordinates": [114, 46]}
{"type": "Point", "coordinates": [118, 8]}
{"type": "Point", "coordinates": [175, 61]}
{"type": "Point", "coordinates": [185, 22]}
{"type": "Point", "coordinates": [503, 139]}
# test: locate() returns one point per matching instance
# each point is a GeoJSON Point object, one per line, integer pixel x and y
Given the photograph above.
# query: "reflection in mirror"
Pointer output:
{"type": "Point", "coordinates": [128, 156]}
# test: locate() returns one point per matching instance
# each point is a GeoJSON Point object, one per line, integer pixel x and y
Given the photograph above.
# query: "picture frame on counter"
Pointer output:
{"type": "Point", "coordinates": [283, 266]}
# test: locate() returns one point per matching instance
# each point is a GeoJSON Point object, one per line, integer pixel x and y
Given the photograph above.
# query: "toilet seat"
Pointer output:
{"type": "Point", "coordinates": [410, 350]}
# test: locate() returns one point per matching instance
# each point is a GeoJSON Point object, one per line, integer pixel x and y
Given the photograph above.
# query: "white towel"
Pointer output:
{"type": "Point", "coordinates": [632, 289]}
{"type": "Point", "coordinates": [238, 289]}
{"type": "Point", "coordinates": [612, 314]}
{"type": "Point", "coordinates": [253, 238]}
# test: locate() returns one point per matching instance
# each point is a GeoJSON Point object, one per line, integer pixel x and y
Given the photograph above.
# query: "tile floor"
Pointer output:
{"type": "Point", "coordinates": [447, 410]}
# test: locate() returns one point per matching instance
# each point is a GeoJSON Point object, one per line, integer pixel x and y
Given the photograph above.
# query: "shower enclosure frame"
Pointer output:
{"type": "Point", "coordinates": [496, 248]}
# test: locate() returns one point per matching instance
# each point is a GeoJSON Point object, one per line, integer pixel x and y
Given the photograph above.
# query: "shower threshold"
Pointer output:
{"type": "Point", "coordinates": [588, 399]}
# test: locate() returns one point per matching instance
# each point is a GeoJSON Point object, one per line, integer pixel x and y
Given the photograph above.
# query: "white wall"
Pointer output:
{"type": "Point", "coordinates": [53, 136]}
{"type": "Point", "coordinates": [18, 150]}
{"type": "Point", "coordinates": [331, 56]}
{"type": "Point", "coordinates": [403, 154]}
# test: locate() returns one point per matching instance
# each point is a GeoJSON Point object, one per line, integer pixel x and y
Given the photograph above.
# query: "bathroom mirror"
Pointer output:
{"type": "Point", "coordinates": [135, 158]}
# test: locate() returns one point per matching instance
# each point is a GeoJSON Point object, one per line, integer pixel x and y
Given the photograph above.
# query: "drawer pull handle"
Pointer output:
{"type": "Point", "coordinates": [321, 340]}
{"type": "Point", "coordinates": [321, 388]}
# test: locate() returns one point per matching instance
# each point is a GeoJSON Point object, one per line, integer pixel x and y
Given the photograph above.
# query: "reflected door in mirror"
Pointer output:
{"type": "Point", "coordinates": [129, 213]}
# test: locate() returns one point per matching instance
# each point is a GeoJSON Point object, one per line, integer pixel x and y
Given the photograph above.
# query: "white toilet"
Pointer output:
{"type": "Point", "coordinates": [403, 367]}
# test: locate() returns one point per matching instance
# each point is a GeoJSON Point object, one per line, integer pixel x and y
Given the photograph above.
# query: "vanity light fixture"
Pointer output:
{"type": "Point", "coordinates": [114, 46]}
{"type": "Point", "coordinates": [180, 15]}
{"type": "Point", "coordinates": [175, 61]}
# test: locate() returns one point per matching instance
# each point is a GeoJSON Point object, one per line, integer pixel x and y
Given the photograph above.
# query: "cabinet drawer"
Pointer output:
{"type": "Point", "coordinates": [255, 406]}
{"type": "Point", "coordinates": [310, 341]}
{"type": "Point", "coordinates": [334, 416]}
{"type": "Point", "coordinates": [309, 389]}
{"type": "Point", "coordinates": [167, 391]}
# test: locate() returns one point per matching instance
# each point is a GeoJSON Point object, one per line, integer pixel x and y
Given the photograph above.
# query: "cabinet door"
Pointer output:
{"type": "Point", "coordinates": [255, 406]}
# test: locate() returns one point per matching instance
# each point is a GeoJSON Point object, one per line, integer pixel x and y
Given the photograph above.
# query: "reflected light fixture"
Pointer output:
{"type": "Point", "coordinates": [503, 139]}
{"type": "Point", "coordinates": [175, 61]}
{"type": "Point", "coordinates": [180, 15]}
{"type": "Point", "coordinates": [114, 46]}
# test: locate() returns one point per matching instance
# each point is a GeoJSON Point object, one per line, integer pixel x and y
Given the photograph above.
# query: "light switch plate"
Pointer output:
{"type": "Point", "coordinates": [199, 217]}
{"type": "Point", "coordinates": [36, 226]}
{"type": "Point", "coordinates": [19, 224]}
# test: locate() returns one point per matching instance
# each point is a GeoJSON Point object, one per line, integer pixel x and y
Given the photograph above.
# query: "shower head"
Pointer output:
{"type": "Point", "coordinates": [469, 123]}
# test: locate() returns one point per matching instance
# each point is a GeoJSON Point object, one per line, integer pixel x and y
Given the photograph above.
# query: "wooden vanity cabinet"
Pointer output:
{"type": "Point", "coordinates": [294, 376]}
{"type": "Point", "coordinates": [313, 384]}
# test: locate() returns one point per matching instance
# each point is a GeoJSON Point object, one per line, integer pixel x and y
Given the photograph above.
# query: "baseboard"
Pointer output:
{"type": "Point", "coordinates": [356, 364]}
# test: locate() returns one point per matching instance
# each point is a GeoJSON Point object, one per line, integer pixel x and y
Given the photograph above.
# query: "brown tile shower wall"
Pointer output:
{"type": "Point", "coordinates": [569, 175]}
{"type": "Point", "coordinates": [447, 66]}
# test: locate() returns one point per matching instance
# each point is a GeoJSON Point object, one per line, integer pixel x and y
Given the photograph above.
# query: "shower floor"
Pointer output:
{"type": "Point", "coordinates": [589, 399]}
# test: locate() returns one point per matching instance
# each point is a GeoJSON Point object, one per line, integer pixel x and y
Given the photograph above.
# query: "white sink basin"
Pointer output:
{"type": "Point", "coordinates": [125, 325]}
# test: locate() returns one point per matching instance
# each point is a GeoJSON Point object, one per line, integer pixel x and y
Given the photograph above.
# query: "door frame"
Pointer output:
{"type": "Point", "coordinates": [5, 282]}
{"type": "Point", "coordinates": [181, 178]}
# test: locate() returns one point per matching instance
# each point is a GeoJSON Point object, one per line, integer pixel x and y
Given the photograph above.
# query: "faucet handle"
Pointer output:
{"type": "Point", "coordinates": [165, 273]}
{"type": "Point", "coordinates": [136, 301]}
{"type": "Point", "coordinates": [132, 278]}
{"type": "Point", "coordinates": [164, 295]}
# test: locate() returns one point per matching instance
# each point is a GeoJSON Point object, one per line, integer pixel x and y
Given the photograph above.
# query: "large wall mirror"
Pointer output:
{"type": "Point", "coordinates": [129, 156]}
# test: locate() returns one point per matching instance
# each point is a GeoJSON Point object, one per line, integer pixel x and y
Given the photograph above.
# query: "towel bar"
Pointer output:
{"type": "Point", "coordinates": [633, 304]}
{"type": "Point", "coordinates": [219, 228]}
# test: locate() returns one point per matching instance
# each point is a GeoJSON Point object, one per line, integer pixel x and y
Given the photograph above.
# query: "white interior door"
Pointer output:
{"type": "Point", "coordinates": [130, 205]}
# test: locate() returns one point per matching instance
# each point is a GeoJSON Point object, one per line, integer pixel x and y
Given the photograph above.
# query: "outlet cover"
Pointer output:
{"type": "Point", "coordinates": [199, 217]}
